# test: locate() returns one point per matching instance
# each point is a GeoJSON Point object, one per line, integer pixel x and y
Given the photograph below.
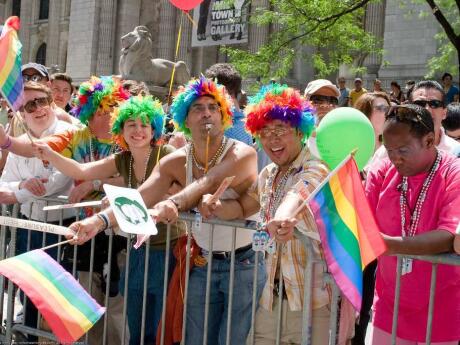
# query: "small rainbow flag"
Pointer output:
{"type": "Point", "coordinates": [349, 233]}
{"type": "Point", "coordinates": [69, 310]}
{"type": "Point", "coordinates": [11, 84]}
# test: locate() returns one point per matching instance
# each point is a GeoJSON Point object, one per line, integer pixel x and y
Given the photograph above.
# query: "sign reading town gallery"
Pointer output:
{"type": "Point", "coordinates": [220, 22]}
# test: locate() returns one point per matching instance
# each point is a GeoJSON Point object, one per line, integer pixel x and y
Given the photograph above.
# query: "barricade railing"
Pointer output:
{"type": "Point", "coordinates": [8, 248]}
{"type": "Point", "coordinates": [435, 260]}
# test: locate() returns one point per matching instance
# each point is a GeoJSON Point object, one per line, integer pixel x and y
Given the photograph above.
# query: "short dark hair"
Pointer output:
{"type": "Point", "coordinates": [227, 75]}
{"type": "Point", "coordinates": [416, 117]}
{"type": "Point", "coordinates": [395, 83]}
{"type": "Point", "coordinates": [445, 75]}
{"type": "Point", "coordinates": [429, 84]}
{"type": "Point", "coordinates": [64, 77]}
{"type": "Point", "coordinates": [452, 120]}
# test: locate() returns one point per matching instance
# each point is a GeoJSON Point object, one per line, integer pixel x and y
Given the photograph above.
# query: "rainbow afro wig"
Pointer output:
{"type": "Point", "coordinates": [194, 89]}
{"type": "Point", "coordinates": [144, 108]}
{"type": "Point", "coordinates": [97, 93]}
{"type": "Point", "coordinates": [279, 102]}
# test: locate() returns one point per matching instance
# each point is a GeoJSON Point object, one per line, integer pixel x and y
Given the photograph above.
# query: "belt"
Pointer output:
{"type": "Point", "coordinates": [227, 255]}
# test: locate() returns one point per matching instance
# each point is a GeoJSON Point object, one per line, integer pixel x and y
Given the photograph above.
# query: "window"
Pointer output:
{"type": "Point", "coordinates": [44, 9]}
{"type": "Point", "coordinates": [16, 8]}
{"type": "Point", "coordinates": [41, 55]}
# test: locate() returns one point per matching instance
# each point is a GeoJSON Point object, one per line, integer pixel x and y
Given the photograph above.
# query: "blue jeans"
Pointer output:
{"type": "Point", "coordinates": [154, 298]}
{"type": "Point", "coordinates": [219, 296]}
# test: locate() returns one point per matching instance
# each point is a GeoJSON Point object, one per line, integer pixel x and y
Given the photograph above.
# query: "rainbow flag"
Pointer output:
{"type": "Point", "coordinates": [67, 308]}
{"type": "Point", "coordinates": [11, 84]}
{"type": "Point", "coordinates": [349, 233]}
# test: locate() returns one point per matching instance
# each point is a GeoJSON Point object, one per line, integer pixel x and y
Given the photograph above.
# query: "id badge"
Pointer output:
{"type": "Point", "coordinates": [196, 224]}
{"type": "Point", "coordinates": [406, 266]}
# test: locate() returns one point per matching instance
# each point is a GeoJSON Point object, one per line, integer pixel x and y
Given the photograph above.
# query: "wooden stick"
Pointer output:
{"type": "Point", "coordinates": [57, 244]}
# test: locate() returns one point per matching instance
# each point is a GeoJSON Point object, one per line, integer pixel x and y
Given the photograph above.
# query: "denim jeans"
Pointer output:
{"type": "Point", "coordinates": [154, 298]}
{"type": "Point", "coordinates": [219, 296]}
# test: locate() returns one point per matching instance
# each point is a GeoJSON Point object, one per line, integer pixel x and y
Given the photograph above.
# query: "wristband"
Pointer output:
{"type": "Point", "coordinates": [175, 203]}
{"type": "Point", "coordinates": [104, 219]}
{"type": "Point", "coordinates": [6, 145]}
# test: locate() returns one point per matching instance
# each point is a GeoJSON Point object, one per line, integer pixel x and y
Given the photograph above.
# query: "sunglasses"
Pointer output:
{"type": "Point", "coordinates": [381, 107]}
{"type": "Point", "coordinates": [276, 132]}
{"type": "Point", "coordinates": [35, 77]}
{"type": "Point", "coordinates": [32, 105]}
{"type": "Point", "coordinates": [403, 113]}
{"type": "Point", "coordinates": [433, 104]}
{"type": "Point", "coordinates": [319, 99]}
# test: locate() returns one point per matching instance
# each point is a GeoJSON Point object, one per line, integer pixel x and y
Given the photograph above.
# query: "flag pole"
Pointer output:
{"type": "Point", "coordinates": [323, 183]}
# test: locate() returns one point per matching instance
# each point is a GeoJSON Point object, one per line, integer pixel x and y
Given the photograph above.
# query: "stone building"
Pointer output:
{"type": "Point", "coordinates": [82, 37]}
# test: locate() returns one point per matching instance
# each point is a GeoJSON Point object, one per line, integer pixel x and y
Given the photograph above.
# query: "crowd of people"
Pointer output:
{"type": "Point", "coordinates": [71, 142]}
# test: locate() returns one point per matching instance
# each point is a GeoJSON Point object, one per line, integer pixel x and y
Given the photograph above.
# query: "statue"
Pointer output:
{"type": "Point", "coordinates": [136, 61]}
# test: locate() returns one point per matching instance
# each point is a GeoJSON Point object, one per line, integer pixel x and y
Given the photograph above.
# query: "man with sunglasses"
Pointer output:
{"type": "Point", "coordinates": [430, 95]}
{"type": "Point", "coordinates": [25, 180]}
{"type": "Point", "coordinates": [324, 96]}
{"type": "Point", "coordinates": [414, 196]}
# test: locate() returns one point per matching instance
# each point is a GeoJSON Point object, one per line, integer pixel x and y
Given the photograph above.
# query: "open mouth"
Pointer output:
{"type": "Point", "coordinates": [277, 151]}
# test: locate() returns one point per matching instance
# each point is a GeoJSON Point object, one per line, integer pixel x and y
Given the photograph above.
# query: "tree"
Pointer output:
{"type": "Point", "coordinates": [447, 13]}
{"type": "Point", "coordinates": [333, 29]}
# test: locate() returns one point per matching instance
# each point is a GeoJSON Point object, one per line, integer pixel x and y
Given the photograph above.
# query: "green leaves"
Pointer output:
{"type": "Point", "coordinates": [332, 29]}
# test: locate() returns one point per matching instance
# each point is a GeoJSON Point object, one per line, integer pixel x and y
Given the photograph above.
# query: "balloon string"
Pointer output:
{"type": "Point", "coordinates": [171, 82]}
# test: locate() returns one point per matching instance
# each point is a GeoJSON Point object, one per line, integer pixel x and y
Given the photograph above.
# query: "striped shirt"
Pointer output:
{"type": "Point", "coordinates": [308, 171]}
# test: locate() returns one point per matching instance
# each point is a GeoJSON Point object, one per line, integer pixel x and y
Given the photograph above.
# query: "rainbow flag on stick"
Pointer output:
{"type": "Point", "coordinates": [11, 84]}
{"type": "Point", "coordinates": [349, 233]}
{"type": "Point", "coordinates": [69, 310]}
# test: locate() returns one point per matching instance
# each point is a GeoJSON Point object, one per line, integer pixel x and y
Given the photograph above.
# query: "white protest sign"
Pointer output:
{"type": "Point", "coordinates": [130, 210]}
{"type": "Point", "coordinates": [36, 226]}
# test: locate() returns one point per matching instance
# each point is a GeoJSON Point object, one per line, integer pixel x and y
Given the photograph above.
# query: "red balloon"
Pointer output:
{"type": "Point", "coordinates": [186, 5]}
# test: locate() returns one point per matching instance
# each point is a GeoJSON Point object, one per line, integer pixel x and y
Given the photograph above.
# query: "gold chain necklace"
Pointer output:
{"type": "Point", "coordinates": [213, 160]}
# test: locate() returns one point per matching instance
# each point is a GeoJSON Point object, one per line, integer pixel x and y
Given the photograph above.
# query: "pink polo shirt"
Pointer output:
{"type": "Point", "coordinates": [441, 210]}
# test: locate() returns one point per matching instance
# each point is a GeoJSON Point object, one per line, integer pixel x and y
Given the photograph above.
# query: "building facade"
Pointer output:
{"type": "Point", "coordinates": [82, 37]}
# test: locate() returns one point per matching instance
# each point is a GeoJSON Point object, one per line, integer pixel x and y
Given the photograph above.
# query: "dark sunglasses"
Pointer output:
{"type": "Point", "coordinates": [35, 77]}
{"type": "Point", "coordinates": [319, 99]}
{"type": "Point", "coordinates": [32, 105]}
{"type": "Point", "coordinates": [433, 104]}
{"type": "Point", "coordinates": [403, 113]}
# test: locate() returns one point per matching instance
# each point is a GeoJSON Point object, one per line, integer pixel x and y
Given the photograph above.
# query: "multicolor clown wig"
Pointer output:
{"type": "Point", "coordinates": [144, 108]}
{"type": "Point", "coordinates": [279, 102]}
{"type": "Point", "coordinates": [97, 93]}
{"type": "Point", "coordinates": [194, 89]}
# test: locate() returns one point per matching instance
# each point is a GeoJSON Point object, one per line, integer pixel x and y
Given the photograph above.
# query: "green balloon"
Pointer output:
{"type": "Point", "coordinates": [341, 131]}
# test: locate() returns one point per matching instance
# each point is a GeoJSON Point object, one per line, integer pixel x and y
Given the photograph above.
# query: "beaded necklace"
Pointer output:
{"type": "Point", "coordinates": [92, 149]}
{"type": "Point", "coordinates": [213, 160]}
{"type": "Point", "coordinates": [415, 217]}
{"type": "Point", "coordinates": [131, 168]}
{"type": "Point", "coordinates": [273, 195]}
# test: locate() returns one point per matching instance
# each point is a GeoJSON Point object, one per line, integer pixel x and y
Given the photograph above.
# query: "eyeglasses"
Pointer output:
{"type": "Point", "coordinates": [276, 132]}
{"type": "Point", "coordinates": [456, 138]}
{"type": "Point", "coordinates": [433, 103]}
{"type": "Point", "coordinates": [32, 105]}
{"type": "Point", "coordinates": [407, 114]}
{"type": "Point", "coordinates": [323, 100]}
{"type": "Point", "coordinates": [381, 107]}
{"type": "Point", "coordinates": [201, 108]}
{"type": "Point", "coordinates": [34, 77]}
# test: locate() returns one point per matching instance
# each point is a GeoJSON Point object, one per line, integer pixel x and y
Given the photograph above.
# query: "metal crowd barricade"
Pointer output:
{"type": "Point", "coordinates": [446, 259]}
{"type": "Point", "coordinates": [12, 330]}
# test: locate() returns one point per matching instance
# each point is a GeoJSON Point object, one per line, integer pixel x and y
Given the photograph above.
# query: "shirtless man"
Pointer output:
{"type": "Point", "coordinates": [201, 110]}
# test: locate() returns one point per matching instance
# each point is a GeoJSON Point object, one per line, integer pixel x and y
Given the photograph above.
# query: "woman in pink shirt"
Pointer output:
{"type": "Point", "coordinates": [415, 197]}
